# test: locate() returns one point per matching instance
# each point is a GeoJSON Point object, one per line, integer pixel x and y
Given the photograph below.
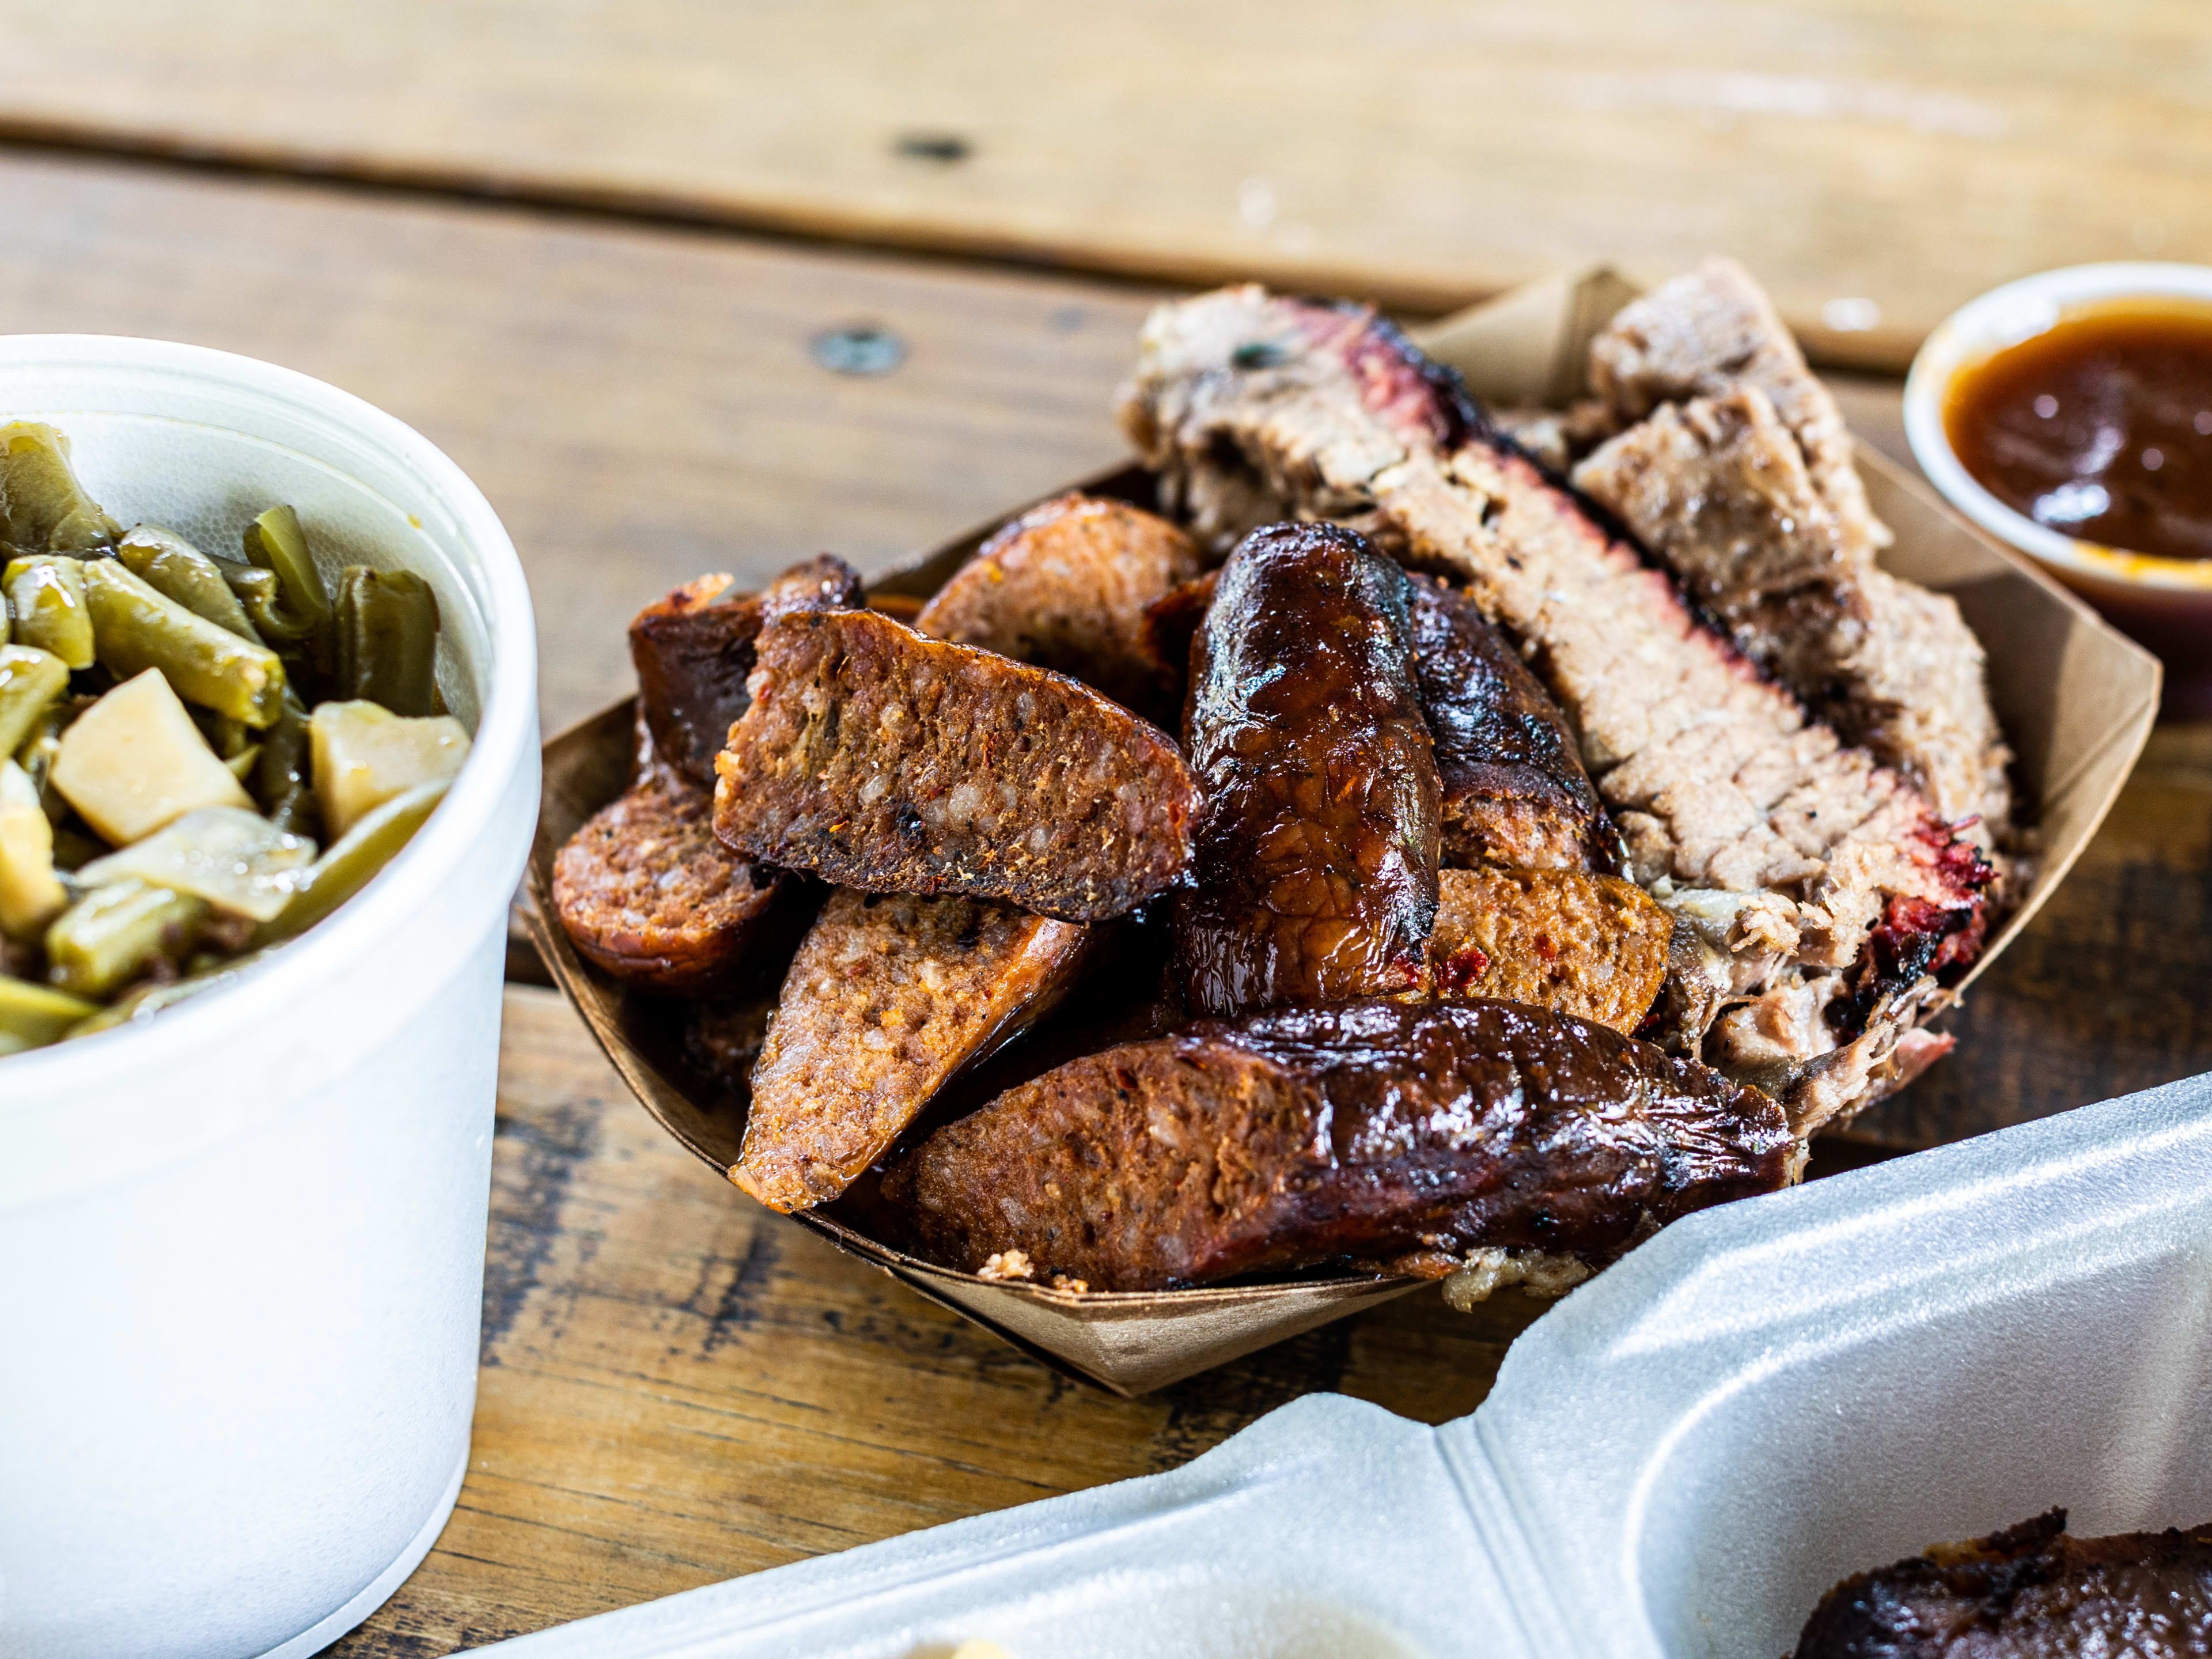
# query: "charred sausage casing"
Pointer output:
{"type": "Point", "coordinates": [1314, 869]}
{"type": "Point", "coordinates": [1514, 789]}
{"type": "Point", "coordinates": [1361, 1132]}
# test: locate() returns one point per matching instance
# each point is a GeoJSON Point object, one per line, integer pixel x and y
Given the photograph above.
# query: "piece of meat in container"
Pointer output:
{"type": "Point", "coordinates": [880, 759]}
{"type": "Point", "coordinates": [1376, 1131]}
{"type": "Point", "coordinates": [1314, 873]}
{"type": "Point", "coordinates": [888, 997]}
{"type": "Point", "coordinates": [693, 652]}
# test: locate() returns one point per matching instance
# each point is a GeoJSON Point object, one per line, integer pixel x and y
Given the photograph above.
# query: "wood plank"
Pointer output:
{"type": "Point", "coordinates": [679, 1386]}
{"type": "Point", "coordinates": [639, 405]}
{"type": "Point", "coordinates": [1882, 153]}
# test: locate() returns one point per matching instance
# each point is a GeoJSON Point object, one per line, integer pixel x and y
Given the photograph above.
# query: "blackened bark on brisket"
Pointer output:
{"type": "Point", "coordinates": [2029, 1592]}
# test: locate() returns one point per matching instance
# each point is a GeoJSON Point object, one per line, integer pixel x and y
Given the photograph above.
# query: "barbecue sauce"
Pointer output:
{"type": "Point", "coordinates": [2100, 427]}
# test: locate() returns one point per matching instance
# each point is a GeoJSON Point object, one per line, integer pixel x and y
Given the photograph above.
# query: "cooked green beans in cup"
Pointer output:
{"type": "Point", "coordinates": [201, 753]}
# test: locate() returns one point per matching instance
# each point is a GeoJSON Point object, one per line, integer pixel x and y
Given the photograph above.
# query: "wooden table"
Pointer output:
{"type": "Point", "coordinates": [1878, 161]}
{"type": "Point", "coordinates": [676, 1386]}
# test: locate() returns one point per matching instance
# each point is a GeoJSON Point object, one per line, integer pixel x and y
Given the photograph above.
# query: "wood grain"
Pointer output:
{"type": "Point", "coordinates": [1882, 153]}
{"type": "Point", "coordinates": [679, 1386]}
{"type": "Point", "coordinates": [640, 405]}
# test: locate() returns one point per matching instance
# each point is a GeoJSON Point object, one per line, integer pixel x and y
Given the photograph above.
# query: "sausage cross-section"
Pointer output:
{"type": "Point", "coordinates": [885, 760]}
{"type": "Point", "coordinates": [1314, 875]}
{"type": "Point", "coordinates": [1064, 587]}
{"type": "Point", "coordinates": [888, 997]}
{"type": "Point", "coordinates": [645, 892]}
{"type": "Point", "coordinates": [1362, 1131]}
{"type": "Point", "coordinates": [1595, 946]}
{"type": "Point", "coordinates": [693, 651]}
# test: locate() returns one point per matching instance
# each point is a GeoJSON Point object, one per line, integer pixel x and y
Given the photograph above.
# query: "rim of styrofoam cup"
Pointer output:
{"type": "Point", "coordinates": [505, 733]}
{"type": "Point", "coordinates": [2005, 316]}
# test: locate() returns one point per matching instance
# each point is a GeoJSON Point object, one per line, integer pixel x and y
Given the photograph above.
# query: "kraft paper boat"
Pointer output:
{"type": "Point", "coordinates": [2076, 698]}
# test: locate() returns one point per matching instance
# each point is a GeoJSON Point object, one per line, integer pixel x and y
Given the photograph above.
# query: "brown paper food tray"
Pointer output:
{"type": "Point", "coordinates": [2076, 698]}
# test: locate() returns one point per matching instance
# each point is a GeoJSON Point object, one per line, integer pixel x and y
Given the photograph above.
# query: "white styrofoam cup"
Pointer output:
{"type": "Point", "coordinates": [241, 1243]}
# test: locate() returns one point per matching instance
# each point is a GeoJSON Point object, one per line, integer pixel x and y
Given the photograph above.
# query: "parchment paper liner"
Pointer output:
{"type": "Point", "coordinates": [2077, 700]}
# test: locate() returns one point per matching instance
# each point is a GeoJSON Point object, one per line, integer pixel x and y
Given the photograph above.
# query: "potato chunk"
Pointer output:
{"type": "Point", "coordinates": [364, 755]}
{"type": "Point", "coordinates": [237, 861]}
{"type": "Point", "coordinates": [31, 894]}
{"type": "Point", "coordinates": [134, 763]}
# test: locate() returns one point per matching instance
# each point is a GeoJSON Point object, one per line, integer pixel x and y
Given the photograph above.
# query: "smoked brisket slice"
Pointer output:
{"type": "Point", "coordinates": [882, 760]}
{"type": "Point", "coordinates": [1712, 332]}
{"type": "Point", "coordinates": [1717, 489]}
{"type": "Point", "coordinates": [1717, 777]}
{"type": "Point", "coordinates": [1314, 876]}
{"type": "Point", "coordinates": [888, 997]}
{"type": "Point", "coordinates": [693, 651]}
{"type": "Point", "coordinates": [1360, 1132]}
{"type": "Point", "coordinates": [1064, 587]}
{"type": "Point", "coordinates": [1514, 789]}
{"type": "Point", "coordinates": [2029, 1592]}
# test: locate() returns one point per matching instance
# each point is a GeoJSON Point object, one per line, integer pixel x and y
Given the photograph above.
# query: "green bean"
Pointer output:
{"type": "Point", "coordinates": [262, 597]}
{"type": "Point", "coordinates": [275, 543]}
{"type": "Point", "coordinates": [242, 763]}
{"type": "Point", "coordinates": [177, 570]}
{"type": "Point", "coordinates": [37, 753]}
{"type": "Point", "coordinates": [136, 629]}
{"type": "Point", "coordinates": [43, 508]}
{"type": "Point", "coordinates": [298, 812]}
{"type": "Point", "coordinates": [32, 1015]}
{"type": "Point", "coordinates": [295, 639]}
{"type": "Point", "coordinates": [47, 593]}
{"type": "Point", "coordinates": [387, 639]}
{"type": "Point", "coordinates": [353, 860]}
{"type": "Point", "coordinates": [30, 682]}
{"type": "Point", "coordinates": [116, 932]}
{"type": "Point", "coordinates": [281, 778]}
{"type": "Point", "coordinates": [226, 736]}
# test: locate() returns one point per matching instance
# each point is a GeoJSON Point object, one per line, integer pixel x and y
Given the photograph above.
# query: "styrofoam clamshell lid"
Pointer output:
{"type": "Point", "coordinates": [1678, 1460]}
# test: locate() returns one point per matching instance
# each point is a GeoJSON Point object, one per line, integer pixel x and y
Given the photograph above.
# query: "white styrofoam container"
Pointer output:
{"type": "Point", "coordinates": [1678, 1460]}
{"type": "Point", "coordinates": [241, 1245]}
